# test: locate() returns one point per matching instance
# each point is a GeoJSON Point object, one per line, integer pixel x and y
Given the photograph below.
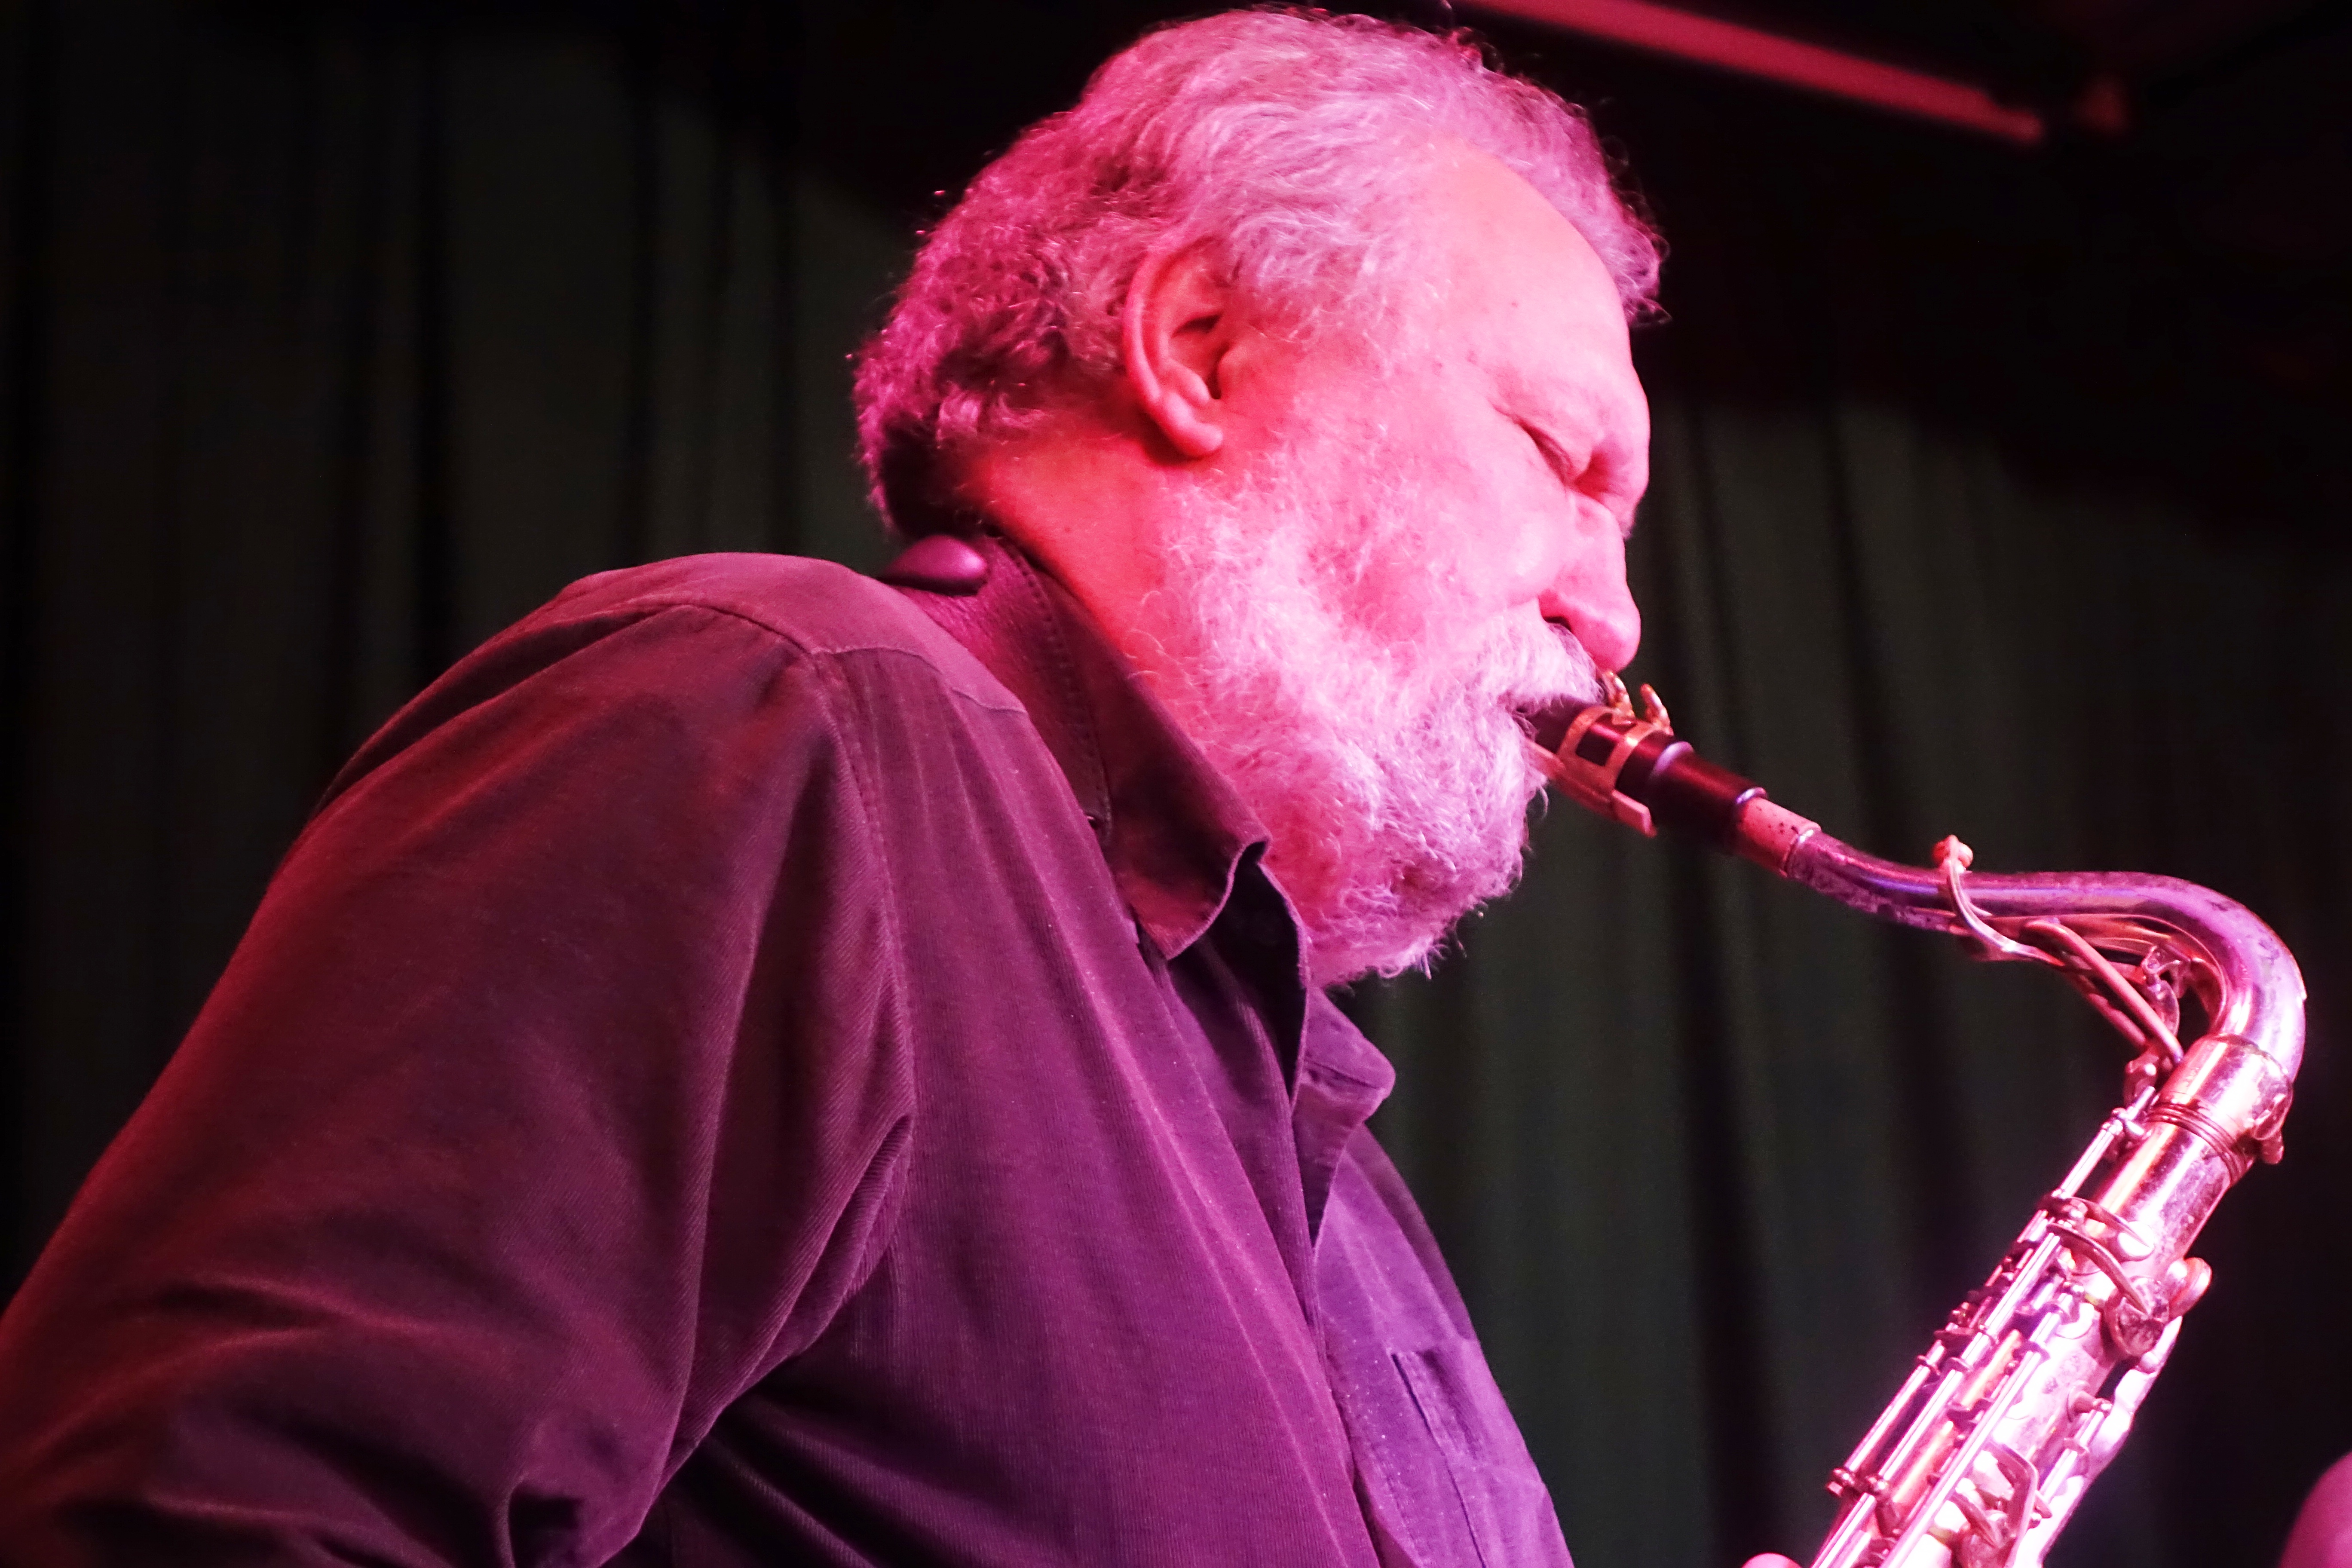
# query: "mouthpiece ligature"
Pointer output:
{"type": "Point", "coordinates": [1635, 770]}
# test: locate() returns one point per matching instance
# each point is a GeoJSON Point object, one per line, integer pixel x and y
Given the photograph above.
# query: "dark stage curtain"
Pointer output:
{"type": "Point", "coordinates": [333, 347]}
{"type": "Point", "coordinates": [331, 340]}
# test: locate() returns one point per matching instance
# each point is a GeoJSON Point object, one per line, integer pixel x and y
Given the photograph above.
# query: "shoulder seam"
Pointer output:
{"type": "Point", "coordinates": [646, 609]}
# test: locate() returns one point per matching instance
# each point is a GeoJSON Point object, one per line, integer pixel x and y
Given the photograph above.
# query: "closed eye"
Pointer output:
{"type": "Point", "coordinates": [1598, 476]}
{"type": "Point", "coordinates": [1566, 470]}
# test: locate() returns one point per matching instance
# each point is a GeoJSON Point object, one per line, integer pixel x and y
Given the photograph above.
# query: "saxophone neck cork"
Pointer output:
{"type": "Point", "coordinates": [1769, 834]}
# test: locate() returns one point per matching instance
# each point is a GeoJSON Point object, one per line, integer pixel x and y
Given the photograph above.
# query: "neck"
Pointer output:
{"type": "Point", "coordinates": [1092, 511]}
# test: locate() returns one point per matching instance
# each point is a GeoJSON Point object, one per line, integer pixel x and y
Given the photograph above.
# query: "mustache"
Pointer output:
{"type": "Point", "coordinates": [1544, 714]}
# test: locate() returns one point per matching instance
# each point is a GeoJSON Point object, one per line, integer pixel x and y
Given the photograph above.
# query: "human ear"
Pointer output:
{"type": "Point", "coordinates": [1177, 330]}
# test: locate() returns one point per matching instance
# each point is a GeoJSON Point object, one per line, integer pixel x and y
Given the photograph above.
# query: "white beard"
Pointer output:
{"type": "Point", "coordinates": [1395, 789]}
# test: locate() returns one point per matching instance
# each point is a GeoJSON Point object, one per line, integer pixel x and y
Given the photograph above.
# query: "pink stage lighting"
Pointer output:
{"type": "Point", "coordinates": [1727, 45]}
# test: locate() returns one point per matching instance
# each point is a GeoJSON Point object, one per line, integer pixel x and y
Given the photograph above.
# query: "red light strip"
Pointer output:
{"type": "Point", "coordinates": [1727, 44]}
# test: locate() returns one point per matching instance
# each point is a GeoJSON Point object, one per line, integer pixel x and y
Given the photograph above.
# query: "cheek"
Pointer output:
{"type": "Point", "coordinates": [1507, 511]}
{"type": "Point", "coordinates": [1483, 541]}
{"type": "Point", "coordinates": [1514, 544]}
{"type": "Point", "coordinates": [1473, 474]}
{"type": "Point", "coordinates": [1463, 511]}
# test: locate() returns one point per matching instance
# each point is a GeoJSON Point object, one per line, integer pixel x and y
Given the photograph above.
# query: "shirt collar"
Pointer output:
{"type": "Point", "coordinates": [1171, 829]}
{"type": "Point", "coordinates": [1342, 1080]}
{"type": "Point", "coordinates": [1181, 847]}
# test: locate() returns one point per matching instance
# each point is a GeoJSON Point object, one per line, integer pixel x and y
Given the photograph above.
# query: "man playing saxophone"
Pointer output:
{"type": "Point", "coordinates": [758, 1064]}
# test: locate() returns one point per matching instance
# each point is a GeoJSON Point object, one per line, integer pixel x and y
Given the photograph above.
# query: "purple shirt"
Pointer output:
{"type": "Point", "coordinates": [736, 1074]}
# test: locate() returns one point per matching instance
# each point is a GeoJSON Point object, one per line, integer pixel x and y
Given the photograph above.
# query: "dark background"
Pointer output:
{"type": "Point", "coordinates": [2001, 491]}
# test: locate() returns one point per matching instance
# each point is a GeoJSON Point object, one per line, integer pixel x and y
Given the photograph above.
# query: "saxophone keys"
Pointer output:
{"type": "Point", "coordinates": [2190, 1278]}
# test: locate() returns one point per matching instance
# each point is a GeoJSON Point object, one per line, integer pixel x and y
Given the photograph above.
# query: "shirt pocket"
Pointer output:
{"type": "Point", "coordinates": [1503, 1502]}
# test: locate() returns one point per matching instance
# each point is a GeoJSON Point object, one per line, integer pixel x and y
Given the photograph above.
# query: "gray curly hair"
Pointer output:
{"type": "Point", "coordinates": [1273, 135]}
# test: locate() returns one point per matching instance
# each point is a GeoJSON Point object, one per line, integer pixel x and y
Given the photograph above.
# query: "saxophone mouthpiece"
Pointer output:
{"type": "Point", "coordinates": [1635, 770]}
{"type": "Point", "coordinates": [1548, 727]}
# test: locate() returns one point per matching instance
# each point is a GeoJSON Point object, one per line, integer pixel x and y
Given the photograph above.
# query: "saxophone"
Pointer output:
{"type": "Point", "coordinates": [2031, 1385]}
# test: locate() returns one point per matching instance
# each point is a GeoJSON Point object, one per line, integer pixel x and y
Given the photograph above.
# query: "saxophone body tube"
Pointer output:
{"type": "Point", "coordinates": [2022, 1397]}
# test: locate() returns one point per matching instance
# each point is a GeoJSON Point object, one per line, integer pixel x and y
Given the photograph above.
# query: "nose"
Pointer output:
{"type": "Point", "coordinates": [1591, 598]}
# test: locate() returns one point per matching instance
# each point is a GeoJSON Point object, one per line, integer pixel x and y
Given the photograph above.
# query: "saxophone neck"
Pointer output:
{"type": "Point", "coordinates": [1632, 767]}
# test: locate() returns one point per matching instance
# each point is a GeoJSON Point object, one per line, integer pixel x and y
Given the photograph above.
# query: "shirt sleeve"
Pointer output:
{"type": "Point", "coordinates": [552, 1098]}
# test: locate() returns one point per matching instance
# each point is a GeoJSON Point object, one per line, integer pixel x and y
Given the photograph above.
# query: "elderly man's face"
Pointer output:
{"type": "Point", "coordinates": [1514, 404]}
{"type": "Point", "coordinates": [1378, 576]}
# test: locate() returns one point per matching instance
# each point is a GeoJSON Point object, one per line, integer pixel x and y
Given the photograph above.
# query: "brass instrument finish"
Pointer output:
{"type": "Point", "coordinates": [2031, 1385]}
